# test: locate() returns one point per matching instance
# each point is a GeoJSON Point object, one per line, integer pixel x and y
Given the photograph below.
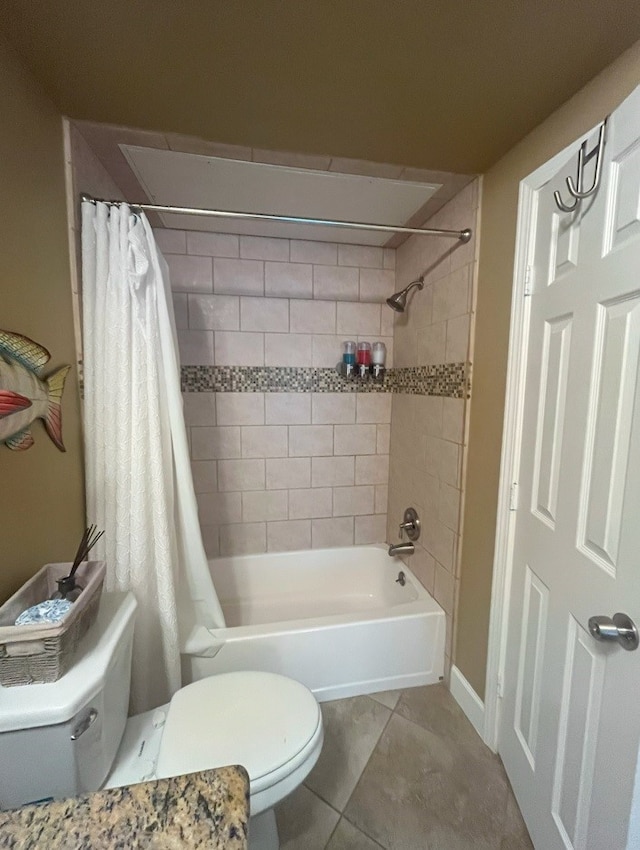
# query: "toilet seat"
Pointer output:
{"type": "Point", "coordinates": [268, 723]}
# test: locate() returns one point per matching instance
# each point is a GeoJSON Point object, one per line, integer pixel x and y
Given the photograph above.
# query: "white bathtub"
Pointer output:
{"type": "Point", "coordinates": [334, 619]}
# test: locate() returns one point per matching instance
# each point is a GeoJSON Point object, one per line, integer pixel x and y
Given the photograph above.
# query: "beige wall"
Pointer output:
{"type": "Point", "coordinates": [41, 494]}
{"type": "Point", "coordinates": [498, 211]}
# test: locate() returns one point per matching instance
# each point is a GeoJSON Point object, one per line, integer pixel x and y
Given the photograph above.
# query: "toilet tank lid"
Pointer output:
{"type": "Point", "coordinates": [259, 720]}
{"type": "Point", "coordinates": [29, 706]}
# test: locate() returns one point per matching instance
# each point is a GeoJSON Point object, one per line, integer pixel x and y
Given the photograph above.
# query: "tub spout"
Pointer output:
{"type": "Point", "coordinates": [402, 548]}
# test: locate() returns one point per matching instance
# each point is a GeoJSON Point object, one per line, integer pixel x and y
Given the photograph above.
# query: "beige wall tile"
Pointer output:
{"type": "Point", "coordinates": [287, 349]}
{"type": "Point", "coordinates": [213, 244]}
{"type": "Point", "coordinates": [354, 439]}
{"type": "Point", "coordinates": [264, 248]}
{"type": "Point", "coordinates": [196, 348]}
{"type": "Point", "coordinates": [358, 319]}
{"type": "Point", "coordinates": [353, 501]}
{"type": "Point", "coordinates": [264, 314]}
{"type": "Point", "coordinates": [241, 475]}
{"type": "Point", "coordinates": [372, 469]}
{"type": "Point", "coordinates": [199, 409]}
{"type": "Point", "coordinates": [452, 295]}
{"type": "Point", "coordinates": [326, 350]}
{"type": "Point", "coordinates": [325, 253]}
{"type": "Point", "coordinates": [219, 508]}
{"type": "Point", "coordinates": [383, 437]}
{"type": "Point", "coordinates": [190, 274]}
{"type": "Point", "coordinates": [311, 503]}
{"type": "Point", "coordinates": [265, 505]}
{"type": "Point", "coordinates": [373, 407]}
{"type": "Point", "coordinates": [377, 284]}
{"type": "Point", "coordinates": [239, 408]}
{"type": "Point", "coordinates": [389, 258]}
{"type": "Point", "coordinates": [423, 565]}
{"type": "Point", "coordinates": [457, 339]}
{"type": "Point", "coordinates": [333, 408]}
{"type": "Point", "coordinates": [205, 476]}
{"type": "Point", "coordinates": [170, 241]}
{"type": "Point", "coordinates": [453, 419]}
{"type": "Point", "coordinates": [360, 255]}
{"type": "Point", "coordinates": [332, 471]}
{"type": "Point", "coordinates": [332, 532]}
{"type": "Point", "coordinates": [288, 408]}
{"type": "Point", "coordinates": [210, 540]}
{"type": "Point", "coordinates": [288, 472]}
{"type": "Point", "coordinates": [449, 506]}
{"type": "Point", "coordinates": [264, 441]}
{"type": "Point", "coordinates": [431, 345]}
{"type": "Point", "coordinates": [315, 317]}
{"type": "Point", "coordinates": [370, 529]}
{"type": "Point", "coordinates": [247, 538]}
{"type": "Point", "coordinates": [335, 283]}
{"type": "Point", "coordinates": [181, 310]}
{"type": "Point", "coordinates": [288, 280]}
{"type": "Point", "coordinates": [381, 499]}
{"type": "Point", "coordinates": [239, 349]}
{"type": "Point", "coordinates": [288, 536]}
{"type": "Point", "coordinates": [310, 440]}
{"type": "Point", "coordinates": [443, 459]}
{"type": "Point", "coordinates": [214, 443]}
{"type": "Point", "coordinates": [214, 312]}
{"type": "Point", "coordinates": [444, 588]}
{"type": "Point", "coordinates": [238, 277]}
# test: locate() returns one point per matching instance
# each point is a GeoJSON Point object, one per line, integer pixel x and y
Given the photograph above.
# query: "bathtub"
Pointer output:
{"type": "Point", "coordinates": [335, 619]}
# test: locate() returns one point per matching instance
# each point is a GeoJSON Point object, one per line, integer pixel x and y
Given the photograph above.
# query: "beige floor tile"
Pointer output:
{"type": "Point", "coordinates": [433, 708]}
{"type": "Point", "coordinates": [348, 837]}
{"type": "Point", "coordinates": [388, 698]}
{"type": "Point", "coordinates": [305, 822]}
{"type": "Point", "coordinates": [515, 835]}
{"type": "Point", "coordinates": [352, 728]}
{"type": "Point", "coordinates": [421, 789]}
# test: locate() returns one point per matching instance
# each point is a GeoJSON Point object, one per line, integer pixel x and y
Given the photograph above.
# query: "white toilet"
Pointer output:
{"type": "Point", "coordinates": [73, 736]}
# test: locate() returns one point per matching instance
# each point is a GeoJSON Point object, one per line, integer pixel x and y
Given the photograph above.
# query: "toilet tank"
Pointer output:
{"type": "Point", "coordinates": [60, 739]}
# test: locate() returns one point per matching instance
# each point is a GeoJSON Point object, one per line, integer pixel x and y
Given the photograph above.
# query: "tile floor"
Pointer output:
{"type": "Point", "coordinates": [402, 770]}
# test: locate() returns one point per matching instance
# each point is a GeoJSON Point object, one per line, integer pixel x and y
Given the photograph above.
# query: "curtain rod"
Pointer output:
{"type": "Point", "coordinates": [462, 235]}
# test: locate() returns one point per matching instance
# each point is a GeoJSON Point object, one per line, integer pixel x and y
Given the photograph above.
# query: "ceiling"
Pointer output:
{"type": "Point", "coordinates": [422, 83]}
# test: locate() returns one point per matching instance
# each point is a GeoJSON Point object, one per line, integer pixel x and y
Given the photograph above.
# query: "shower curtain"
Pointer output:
{"type": "Point", "coordinates": [138, 475]}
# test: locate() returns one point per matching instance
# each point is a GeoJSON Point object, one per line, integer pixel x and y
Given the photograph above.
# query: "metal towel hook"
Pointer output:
{"type": "Point", "coordinates": [577, 191]}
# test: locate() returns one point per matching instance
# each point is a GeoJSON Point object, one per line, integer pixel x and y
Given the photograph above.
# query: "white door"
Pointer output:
{"type": "Point", "coordinates": [570, 717]}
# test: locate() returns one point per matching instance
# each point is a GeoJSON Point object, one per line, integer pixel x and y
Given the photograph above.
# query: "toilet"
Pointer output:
{"type": "Point", "coordinates": [73, 736]}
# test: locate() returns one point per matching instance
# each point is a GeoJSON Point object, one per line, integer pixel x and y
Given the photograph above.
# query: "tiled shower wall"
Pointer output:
{"type": "Point", "coordinates": [428, 441]}
{"type": "Point", "coordinates": [277, 471]}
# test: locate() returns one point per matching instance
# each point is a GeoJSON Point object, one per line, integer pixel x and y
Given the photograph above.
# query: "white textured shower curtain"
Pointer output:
{"type": "Point", "coordinates": [138, 477]}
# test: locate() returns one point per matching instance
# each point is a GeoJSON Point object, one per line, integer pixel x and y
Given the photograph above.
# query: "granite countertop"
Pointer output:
{"type": "Point", "coordinates": [208, 810]}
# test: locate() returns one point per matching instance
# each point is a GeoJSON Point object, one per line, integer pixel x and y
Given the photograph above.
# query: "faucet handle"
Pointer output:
{"type": "Point", "coordinates": [411, 524]}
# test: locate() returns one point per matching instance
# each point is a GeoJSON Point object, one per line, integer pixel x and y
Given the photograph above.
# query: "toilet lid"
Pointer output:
{"type": "Point", "coordinates": [259, 720]}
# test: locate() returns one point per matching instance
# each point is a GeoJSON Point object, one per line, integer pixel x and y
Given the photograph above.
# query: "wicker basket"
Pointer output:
{"type": "Point", "coordinates": [35, 654]}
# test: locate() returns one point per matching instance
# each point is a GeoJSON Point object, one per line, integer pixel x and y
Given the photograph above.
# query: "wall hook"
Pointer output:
{"type": "Point", "coordinates": [576, 189]}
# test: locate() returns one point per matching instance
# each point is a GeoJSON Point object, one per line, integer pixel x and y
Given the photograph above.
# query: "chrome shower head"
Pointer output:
{"type": "Point", "coordinates": [398, 301]}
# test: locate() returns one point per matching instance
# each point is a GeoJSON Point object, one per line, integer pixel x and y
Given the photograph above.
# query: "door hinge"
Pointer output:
{"type": "Point", "coordinates": [528, 275]}
{"type": "Point", "coordinates": [513, 499]}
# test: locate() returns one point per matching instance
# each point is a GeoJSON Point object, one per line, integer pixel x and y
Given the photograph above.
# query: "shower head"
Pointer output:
{"type": "Point", "coordinates": [398, 301]}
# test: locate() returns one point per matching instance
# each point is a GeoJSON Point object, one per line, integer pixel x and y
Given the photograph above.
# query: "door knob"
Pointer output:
{"type": "Point", "coordinates": [620, 628]}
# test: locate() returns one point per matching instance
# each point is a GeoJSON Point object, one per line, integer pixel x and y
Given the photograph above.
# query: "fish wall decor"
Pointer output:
{"type": "Point", "coordinates": [25, 394]}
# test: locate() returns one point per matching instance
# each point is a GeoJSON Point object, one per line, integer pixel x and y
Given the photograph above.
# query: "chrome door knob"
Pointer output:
{"type": "Point", "coordinates": [620, 628]}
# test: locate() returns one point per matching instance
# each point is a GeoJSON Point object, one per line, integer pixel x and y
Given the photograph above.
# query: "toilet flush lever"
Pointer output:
{"type": "Point", "coordinates": [84, 724]}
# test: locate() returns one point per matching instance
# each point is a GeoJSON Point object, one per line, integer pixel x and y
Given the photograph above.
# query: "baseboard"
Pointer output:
{"type": "Point", "coordinates": [468, 700]}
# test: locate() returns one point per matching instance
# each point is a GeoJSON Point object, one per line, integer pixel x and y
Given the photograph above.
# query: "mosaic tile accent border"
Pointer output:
{"type": "Point", "coordinates": [446, 379]}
